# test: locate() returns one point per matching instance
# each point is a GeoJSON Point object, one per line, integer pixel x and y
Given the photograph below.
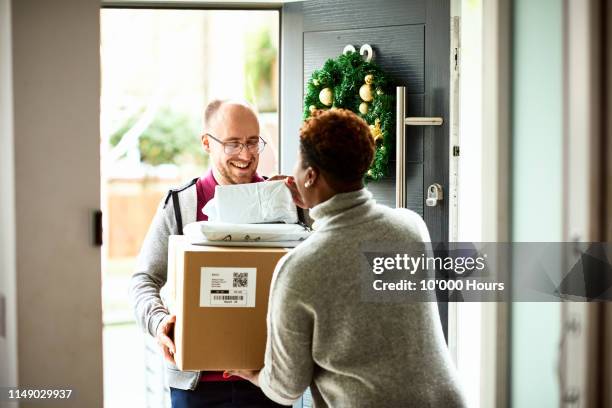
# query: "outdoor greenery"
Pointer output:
{"type": "Point", "coordinates": [172, 138]}
{"type": "Point", "coordinates": [261, 55]}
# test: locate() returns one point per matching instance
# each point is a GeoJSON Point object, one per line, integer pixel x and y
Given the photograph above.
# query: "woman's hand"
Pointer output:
{"type": "Point", "coordinates": [295, 194]}
{"type": "Point", "coordinates": [277, 177]}
{"type": "Point", "coordinates": [290, 183]}
{"type": "Point", "coordinates": [252, 376]}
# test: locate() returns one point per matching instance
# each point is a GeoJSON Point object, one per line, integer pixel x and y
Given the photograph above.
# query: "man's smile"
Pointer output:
{"type": "Point", "coordinates": [240, 164]}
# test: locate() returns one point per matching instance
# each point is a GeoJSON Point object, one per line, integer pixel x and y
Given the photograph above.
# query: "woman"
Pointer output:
{"type": "Point", "coordinates": [352, 353]}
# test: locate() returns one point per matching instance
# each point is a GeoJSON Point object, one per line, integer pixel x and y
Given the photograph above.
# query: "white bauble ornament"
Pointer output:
{"type": "Point", "coordinates": [365, 92]}
{"type": "Point", "coordinates": [363, 108]}
{"type": "Point", "coordinates": [326, 96]}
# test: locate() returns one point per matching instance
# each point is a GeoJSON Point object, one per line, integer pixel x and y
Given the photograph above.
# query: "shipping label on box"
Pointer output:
{"type": "Point", "coordinates": [228, 287]}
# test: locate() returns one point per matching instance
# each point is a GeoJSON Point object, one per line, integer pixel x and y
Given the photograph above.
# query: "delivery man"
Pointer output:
{"type": "Point", "coordinates": [233, 144]}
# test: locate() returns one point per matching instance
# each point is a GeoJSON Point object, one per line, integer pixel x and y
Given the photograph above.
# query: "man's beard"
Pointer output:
{"type": "Point", "coordinates": [232, 178]}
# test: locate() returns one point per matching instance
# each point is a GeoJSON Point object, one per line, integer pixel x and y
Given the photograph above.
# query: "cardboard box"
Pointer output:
{"type": "Point", "coordinates": [220, 298]}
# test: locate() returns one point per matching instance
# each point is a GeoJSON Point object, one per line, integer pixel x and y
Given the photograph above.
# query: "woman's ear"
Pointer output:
{"type": "Point", "coordinates": [311, 177]}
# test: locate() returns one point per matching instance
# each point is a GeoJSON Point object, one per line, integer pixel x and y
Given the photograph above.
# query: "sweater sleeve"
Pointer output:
{"type": "Point", "coordinates": [151, 271]}
{"type": "Point", "coordinates": [288, 365]}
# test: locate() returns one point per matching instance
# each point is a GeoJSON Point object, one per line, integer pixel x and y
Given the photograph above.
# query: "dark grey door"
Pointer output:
{"type": "Point", "coordinates": [411, 39]}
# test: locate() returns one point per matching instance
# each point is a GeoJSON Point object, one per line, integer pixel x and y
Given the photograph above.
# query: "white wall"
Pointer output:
{"type": "Point", "coordinates": [56, 72]}
{"type": "Point", "coordinates": [8, 344]}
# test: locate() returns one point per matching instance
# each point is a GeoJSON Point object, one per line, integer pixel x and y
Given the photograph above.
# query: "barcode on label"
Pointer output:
{"type": "Point", "coordinates": [227, 297]}
{"type": "Point", "coordinates": [241, 279]}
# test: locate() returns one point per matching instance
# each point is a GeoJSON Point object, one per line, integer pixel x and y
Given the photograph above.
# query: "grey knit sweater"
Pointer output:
{"type": "Point", "coordinates": [151, 275]}
{"type": "Point", "coordinates": [350, 352]}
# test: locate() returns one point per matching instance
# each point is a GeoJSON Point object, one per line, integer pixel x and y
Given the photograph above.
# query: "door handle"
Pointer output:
{"type": "Point", "coordinates": [423, 121]}
{"type": "Point", "coordinates": [401, 122]}
{"type": "Point", "coordinates": [97, 227]}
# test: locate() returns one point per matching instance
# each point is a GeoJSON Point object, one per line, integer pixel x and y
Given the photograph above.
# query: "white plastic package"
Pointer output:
{"type": "Point", "coordinates": [251, 203]}
{"type": "Point", "coordinates": [203, 232]}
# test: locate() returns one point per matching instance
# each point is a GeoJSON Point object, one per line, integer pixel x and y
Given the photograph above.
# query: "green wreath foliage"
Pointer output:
{"type": "Point", "coordinates": [344, 76]}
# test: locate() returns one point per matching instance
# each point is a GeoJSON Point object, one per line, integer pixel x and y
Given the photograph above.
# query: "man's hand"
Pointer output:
{"type": "Point", "coordinates": [290, 183]}
{"type": "Point", "coordinates": [164, 331]}
{"type": "Point", "coordinates": [252, 376]}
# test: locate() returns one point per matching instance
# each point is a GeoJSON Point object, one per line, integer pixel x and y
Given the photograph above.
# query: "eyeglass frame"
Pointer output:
{"type": "Point", "coordinates": [242, 145]}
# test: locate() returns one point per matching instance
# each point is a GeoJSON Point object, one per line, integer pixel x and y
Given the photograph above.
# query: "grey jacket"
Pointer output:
{"type": "Point", "coordinates": [351, 352]}
{"type": "Point", "coordinates": [151, 275]}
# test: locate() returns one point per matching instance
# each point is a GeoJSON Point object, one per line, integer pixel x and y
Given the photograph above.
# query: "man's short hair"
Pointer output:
{"type": "Point", "coordinates": [213, 107]}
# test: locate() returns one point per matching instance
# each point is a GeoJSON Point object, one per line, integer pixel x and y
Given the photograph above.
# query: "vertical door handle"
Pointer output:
{"type": "Point", "coordinates": [400, 135]}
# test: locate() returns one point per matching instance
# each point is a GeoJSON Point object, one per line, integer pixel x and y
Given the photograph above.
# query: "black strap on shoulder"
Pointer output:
{"type": "Point", "coordinates": [176, 204]}
{"type": "Point", "coordinates": [177, 212]}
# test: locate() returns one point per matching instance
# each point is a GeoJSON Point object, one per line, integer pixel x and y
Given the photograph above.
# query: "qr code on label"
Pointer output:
{"type": "Point", "coordinates": [241, 279]}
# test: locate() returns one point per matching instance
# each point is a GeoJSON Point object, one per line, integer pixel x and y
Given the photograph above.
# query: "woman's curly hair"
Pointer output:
{"type": "Point", "coordinates": [338, 142]}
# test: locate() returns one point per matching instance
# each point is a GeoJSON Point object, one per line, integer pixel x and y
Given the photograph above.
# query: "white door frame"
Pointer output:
{"type": "Point", "coordinates": [494, 189]}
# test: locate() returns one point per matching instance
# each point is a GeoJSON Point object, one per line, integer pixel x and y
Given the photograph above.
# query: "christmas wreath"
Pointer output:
{"type": "Point", "coordinates": [351, 83]}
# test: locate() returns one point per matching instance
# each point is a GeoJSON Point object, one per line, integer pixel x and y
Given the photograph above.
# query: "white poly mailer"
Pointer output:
{"type": "Point", "coordinates": [202, 231]}
{"type": "Point", "coordinates": [251, 203]}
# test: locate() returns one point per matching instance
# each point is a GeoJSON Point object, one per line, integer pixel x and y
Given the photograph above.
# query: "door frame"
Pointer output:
{"type": "Point", "coordinates": [585, 361]}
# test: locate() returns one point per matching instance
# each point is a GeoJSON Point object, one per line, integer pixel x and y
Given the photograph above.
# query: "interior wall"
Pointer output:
{"type": "Point", "coordinates": [8, 317]}
{"type": "Point", "coordinates": [56, 70]}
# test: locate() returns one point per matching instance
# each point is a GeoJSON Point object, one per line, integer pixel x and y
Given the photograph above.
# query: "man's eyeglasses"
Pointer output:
{"type": "Point", "coordinates": [232, 148]}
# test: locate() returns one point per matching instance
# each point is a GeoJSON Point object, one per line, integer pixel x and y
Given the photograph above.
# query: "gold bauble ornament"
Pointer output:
{"type": "Point", "coordinates": [312, 108]}
{"type": "Point", "coordinates": [369, 79]}
{"type": "Point", "coordinates": [363, 108]}
{"type": "Point", "coordinates": [315, 82]}
{"type": "Point", "coordinates": [376, 130]}
{"type": "Point", "coordinates": [326, 96]}
{"type": "Point", "coordinates": [365, 92]}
